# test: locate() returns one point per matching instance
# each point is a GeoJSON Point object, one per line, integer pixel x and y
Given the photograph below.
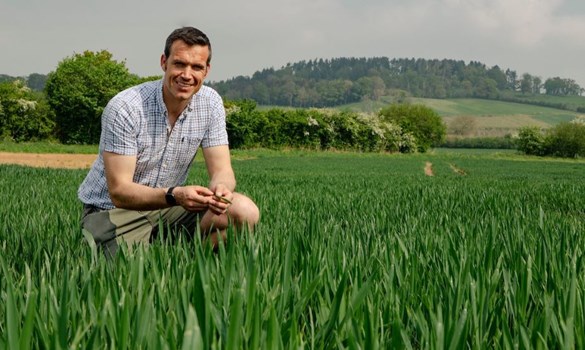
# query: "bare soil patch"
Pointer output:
{"type": "Point", "coordinates": [429, 169]}
{"type": "Point", "coordinates": [49, 160]}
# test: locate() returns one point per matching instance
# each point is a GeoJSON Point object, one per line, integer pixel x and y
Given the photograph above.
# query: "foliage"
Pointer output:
{"type": "Point", "coordinates": [277, 128]}
{"type": "Point", "coordinates": [531, 141]}
{"type": "Point", "coordinates": [463, 125]}
{"type": "Point", "coordinates": [353, 251]}
{"type": "Point", "coordinates": [36, 81]}
{"type": "Point", "coordinates": [4, 78]}
{"type": "Point", "coordinates": [422, 122]}
{"type": "Point", "coordinates": [564, 140]}
{"type": "Point", "coordinates": [24, 115]}
{"type": "Point", "coordinates": [562, 87]}
{"type": "Point", "coordinates": [79, 89]}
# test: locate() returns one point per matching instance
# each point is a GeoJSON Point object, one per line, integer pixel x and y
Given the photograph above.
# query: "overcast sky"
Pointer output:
{"type": "Point", "coordinates": [541, 37]}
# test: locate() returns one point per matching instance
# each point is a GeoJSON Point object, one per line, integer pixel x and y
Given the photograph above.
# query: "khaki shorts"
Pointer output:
{"type": "Point", "coordinates": [110, 228]}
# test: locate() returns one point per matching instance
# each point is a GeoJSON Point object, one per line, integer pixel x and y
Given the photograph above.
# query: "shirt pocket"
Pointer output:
{"type": "Point", "coordinates": [187, 149]}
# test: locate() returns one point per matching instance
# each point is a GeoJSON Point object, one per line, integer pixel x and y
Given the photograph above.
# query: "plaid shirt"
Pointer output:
{"type": "Point", "coordinates": [135, 123]}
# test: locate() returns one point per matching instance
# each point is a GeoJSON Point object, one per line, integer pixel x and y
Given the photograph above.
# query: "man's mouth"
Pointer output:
{"type": "Point", "coordinates": [184, 84]}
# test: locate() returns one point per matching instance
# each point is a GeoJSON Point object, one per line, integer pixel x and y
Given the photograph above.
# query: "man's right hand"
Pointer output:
{"type": "Point", "coordinates": [193, 198]}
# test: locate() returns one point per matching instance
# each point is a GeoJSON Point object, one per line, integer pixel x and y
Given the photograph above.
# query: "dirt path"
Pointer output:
{"type": "Point", "coordinates": [48, 160]}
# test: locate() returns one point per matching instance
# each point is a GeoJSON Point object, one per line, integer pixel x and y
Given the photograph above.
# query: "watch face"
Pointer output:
{"type": "Point", "coordinates": [170, 198]}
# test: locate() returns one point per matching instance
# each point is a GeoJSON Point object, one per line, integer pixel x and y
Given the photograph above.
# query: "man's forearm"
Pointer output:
{"type": "Point", "coordinates": [227, 179]}
{"type": "Point", "coordinates": [138, 197]}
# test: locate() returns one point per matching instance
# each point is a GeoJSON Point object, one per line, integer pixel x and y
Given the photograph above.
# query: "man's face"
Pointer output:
{"type": "Point", "coordinates": [185, 69]}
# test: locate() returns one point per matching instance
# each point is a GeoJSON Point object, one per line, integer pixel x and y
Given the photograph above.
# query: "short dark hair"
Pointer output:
{"type": "Point", "coordinates": [191, 36]}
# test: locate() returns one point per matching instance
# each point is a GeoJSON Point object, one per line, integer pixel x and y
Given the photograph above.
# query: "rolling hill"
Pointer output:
{"type": "Point", "coordinates": [487, 117]}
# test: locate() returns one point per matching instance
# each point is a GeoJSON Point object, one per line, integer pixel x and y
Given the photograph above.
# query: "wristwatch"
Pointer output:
{"type": "Point", "coordinates": [170, 197]}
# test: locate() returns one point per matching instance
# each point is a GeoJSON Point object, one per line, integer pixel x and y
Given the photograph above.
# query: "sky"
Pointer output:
{"type": "Point", "coordinates": [545, 38]}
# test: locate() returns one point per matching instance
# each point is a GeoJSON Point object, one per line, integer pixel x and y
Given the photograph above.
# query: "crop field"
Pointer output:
{"type": "Point", "coordinates": [353, 251]}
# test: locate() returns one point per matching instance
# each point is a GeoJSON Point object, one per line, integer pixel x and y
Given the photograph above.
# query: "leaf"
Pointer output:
{"type": "Point", "coordinates": [192, 334]}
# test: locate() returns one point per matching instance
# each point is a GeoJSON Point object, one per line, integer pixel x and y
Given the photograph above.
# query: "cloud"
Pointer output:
{"type": "Point", "coordinates": [542, 37]}
{"type": "Point", "coordinates": [526, 23]}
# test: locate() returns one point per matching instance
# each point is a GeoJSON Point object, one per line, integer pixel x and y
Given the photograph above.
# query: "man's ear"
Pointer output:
{"type": "Point", "coordinates": [163, 62]}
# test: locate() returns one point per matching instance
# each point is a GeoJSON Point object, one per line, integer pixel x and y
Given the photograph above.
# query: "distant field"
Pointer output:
{"type": "Point", "coordinates": [497, 118]}
{"type": "Point", "coordinates": [487, 108]}
{"type": "Point", "coordinates": [569, 102]}
{"type": "Point", "coordinates": [490, 118]}
{"type": "Point", "coordinates": [46, 147]}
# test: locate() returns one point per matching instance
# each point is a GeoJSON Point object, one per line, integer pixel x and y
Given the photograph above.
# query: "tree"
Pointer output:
{"type": "Point", "coordinates": [496, 74]}
{"type": "Point", "coordinates": [36, 81]}
{"type": "Point", "coordinates": [486, 88]}
{"type": "Point", "coordinates": [24, 115]}
{"type": "Point", "coordinates": [463, 125]}
{"type": "Point", "coordinates": [530, 141]}
{"type": "Point", "coordinates": [562, 87]}
{"type": "Point", "coordinates": [566, 140]}
{"type": "Point", "coordinates": [79, 89]}
{"type": "Point", "coordinates": [563, 140]}
{"type": "Point", "coordinates": [512, 77]}
{"type": "Point", "coordinates": [526, 82]}
{"type": "Point", "coordinates": [424, 123]}
{"type": "Point", "coordinates": [536, 85]}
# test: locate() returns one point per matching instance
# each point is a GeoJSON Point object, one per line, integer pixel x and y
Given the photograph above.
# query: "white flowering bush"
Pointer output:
{"type": "Point", "coordinates": [323, 129]}
{"type": "Point", "coordinates": [24, 115]}
{"type": "Point", "coordinates": [579, 120]}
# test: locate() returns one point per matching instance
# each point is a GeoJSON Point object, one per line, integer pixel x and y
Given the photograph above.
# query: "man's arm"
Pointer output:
{"type": "Point", "coordinates": [219, 169]}
{"type": "Point", "coordinates": [127, 194]}
{"type": "Point", "coordinates": [124, 192]}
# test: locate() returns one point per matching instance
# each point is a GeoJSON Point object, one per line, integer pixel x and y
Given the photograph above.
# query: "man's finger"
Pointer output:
{"type": "Point", "coordinates": [222, 199]}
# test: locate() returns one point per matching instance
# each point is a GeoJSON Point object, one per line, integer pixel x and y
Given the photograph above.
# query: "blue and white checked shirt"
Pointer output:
{"type": "Point", "coordinates": [135, 123]}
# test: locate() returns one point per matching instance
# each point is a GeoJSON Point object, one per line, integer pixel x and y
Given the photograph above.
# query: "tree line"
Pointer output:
{"type": "Point", "coordinates": [338, 81]}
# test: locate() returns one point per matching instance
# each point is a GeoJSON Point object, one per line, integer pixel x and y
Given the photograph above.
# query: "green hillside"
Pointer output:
{"type": "Point", "coordinates": [480, 107]}
{"type": "Point", "coordinates": [489, 117]}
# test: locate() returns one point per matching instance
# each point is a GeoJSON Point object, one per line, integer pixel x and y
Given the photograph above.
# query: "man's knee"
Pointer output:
{"type": "Point", "coordinates": [245, 211]}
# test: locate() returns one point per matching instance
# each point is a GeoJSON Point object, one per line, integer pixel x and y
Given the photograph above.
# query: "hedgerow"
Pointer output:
{"type": "Point", "coordinates": [322, 129]}
{"type": "Point", "coordinates": [566, 140]}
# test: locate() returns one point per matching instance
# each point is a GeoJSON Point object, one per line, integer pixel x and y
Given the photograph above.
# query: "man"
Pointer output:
{"type": "Point", "coordinates": [150, 134]}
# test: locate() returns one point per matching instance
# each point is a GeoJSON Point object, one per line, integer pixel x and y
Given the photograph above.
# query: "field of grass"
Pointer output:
{"type": "Point", "coordinates": [46, 147]}
{"type": "Point", "coordinates": [570, 102]}
{"type": "Point", "coordinates": [353, 251]}
{"type": "Point", "coordinates": [490, 108]}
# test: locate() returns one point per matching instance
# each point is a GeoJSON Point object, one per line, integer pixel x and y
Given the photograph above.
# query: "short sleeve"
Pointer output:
{"type": "Point", "coordinates": [216, 134]}
{"type": "Point", "coordinates": [119, 129]}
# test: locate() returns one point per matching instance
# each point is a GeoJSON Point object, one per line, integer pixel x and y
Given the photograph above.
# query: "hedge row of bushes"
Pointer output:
{"type": "Point", "coordinates": [249, 127]}
{"type": "Point", "coordinates": [506, 142]}
{"type": "Point", "coordinates": [564, 140]}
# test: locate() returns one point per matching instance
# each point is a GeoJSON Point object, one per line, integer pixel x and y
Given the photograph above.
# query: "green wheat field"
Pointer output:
{"type": "Point", "coordinates": [356, 251]}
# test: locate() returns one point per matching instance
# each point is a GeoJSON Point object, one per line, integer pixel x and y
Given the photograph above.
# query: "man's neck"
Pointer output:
{"type": "Point", "coordinates": [174, 108]}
